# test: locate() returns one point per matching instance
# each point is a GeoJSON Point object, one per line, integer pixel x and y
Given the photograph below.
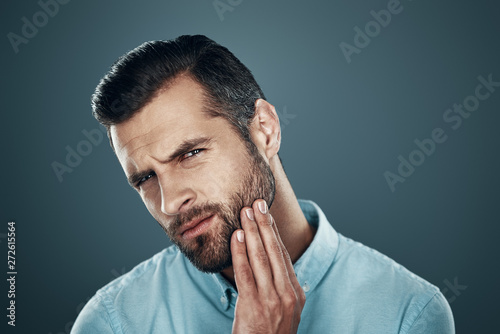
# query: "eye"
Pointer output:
{"type": "Point", "coordinates": [192, 153]}
{"type": "Point", "coordinates": [145, 178]}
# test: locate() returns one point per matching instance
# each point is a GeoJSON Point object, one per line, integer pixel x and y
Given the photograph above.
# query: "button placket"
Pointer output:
{"type": "Point", "coordinates": [306, 286]}
{"type": "Point", "coordinates": [223, 300]}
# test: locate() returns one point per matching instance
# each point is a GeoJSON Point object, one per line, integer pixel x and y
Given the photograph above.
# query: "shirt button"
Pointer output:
{"type": "Point", "coordinates": [306, 287]}
{"type": "Point", "coordinates": [223, 300]}
{"type": "Point", "coordinates": [234, 295]}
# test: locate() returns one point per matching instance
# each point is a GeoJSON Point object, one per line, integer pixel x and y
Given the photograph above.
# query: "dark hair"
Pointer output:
{"type": "Point", "coordinates": [136, 77]}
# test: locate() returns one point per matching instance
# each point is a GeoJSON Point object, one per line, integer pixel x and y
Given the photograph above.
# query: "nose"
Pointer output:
{"type": "Point", "coordinates": [176, 197]}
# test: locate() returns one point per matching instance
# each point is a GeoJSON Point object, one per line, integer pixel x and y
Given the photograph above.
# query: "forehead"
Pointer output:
{"type": "Point", "coordinates": [174, 112]}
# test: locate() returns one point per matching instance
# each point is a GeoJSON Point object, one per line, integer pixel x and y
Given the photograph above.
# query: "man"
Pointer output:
{"type": "Point", "coordinates": [199, 142]}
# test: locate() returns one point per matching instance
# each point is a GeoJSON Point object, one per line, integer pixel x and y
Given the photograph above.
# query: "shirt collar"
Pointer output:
{"type": "Point", "coordinates": [309, 269]}
{"type": "Point", "coordinates": [312, 266]}
{"type": "Point", "coordinates": [214, 286]}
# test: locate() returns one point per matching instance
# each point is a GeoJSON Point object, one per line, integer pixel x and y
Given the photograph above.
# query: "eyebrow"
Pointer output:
{"type": "Point", "coordinates": [185, 147]}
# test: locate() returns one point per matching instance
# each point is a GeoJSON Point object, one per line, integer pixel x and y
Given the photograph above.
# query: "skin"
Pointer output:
{"type": "Point", "coordinates": [270, 299]}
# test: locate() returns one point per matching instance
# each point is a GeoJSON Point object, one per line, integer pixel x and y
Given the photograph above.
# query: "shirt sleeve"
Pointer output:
{"type": "Point", "coordinates": [94, 318]}
{"type": "Point", "coordinates": [435, 318]}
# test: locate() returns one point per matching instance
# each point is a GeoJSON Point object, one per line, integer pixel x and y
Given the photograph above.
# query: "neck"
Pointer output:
{"type": "Point", "coordinates": [294, 230]}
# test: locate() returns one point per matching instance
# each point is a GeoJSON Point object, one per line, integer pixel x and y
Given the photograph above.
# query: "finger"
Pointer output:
{"type": "Point", "coordinates": [257, 256]}
{"type": "Point", "coordinates": [243, 275]}
{"type": "Point", "coordinates": [274, 250]}
{"type": "Point", "coordinates": [291, 272]}
{"type": "Point", "coordinates": [299, 292]}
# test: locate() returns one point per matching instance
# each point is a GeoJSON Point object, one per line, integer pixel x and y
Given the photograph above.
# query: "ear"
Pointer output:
{"type": "Point", "coordinates": [265, 129]}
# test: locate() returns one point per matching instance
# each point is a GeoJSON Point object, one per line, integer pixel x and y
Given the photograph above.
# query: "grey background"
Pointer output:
{"type": "Point", "coordinates": [344, 125]}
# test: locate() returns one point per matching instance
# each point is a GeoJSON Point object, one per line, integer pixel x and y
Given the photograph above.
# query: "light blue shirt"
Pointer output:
{"type": "Point", "coordinates": [349, 288]}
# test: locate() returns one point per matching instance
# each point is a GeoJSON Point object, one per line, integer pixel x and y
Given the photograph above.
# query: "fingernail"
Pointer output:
{"type": "Point", "coordinates": [249, 213]}
{"type": "Point", "coordinates": [240, 236]}
{"type": "Point", "coordinates": [262, 207]}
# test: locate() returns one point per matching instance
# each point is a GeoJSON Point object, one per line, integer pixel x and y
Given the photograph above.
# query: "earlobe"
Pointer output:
{"type": "Point", "coordinates": [266, 131]}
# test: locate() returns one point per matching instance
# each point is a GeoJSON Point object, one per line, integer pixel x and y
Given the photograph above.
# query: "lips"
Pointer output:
{"type": "Point", "coordinates": [190, 227]}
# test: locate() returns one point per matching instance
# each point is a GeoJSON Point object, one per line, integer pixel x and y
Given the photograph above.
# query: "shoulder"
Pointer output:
{"type": "Point", "coordinates": [382, 296]}
{"type": "Point", "coordinates": [374, 266]}
{"type": "Point", "coordinates": [141, 285]}
{"type": "Point", "coordinates": [160, 264]}
{"type": "Point", "coordinates": [377, 278]}
{"type": "Point", "coordinates": [434, 318]}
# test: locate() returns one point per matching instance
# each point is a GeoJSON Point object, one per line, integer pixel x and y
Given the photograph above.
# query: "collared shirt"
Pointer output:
{"type": "Point", "coordinates": [349, 288]}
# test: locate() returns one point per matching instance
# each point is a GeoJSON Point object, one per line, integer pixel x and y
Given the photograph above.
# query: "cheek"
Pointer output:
{"type": "Point", "coordinates": [219, 180]}
{"type": "Point", "coordinates": [228, 177]}
{"type": "Point", "coordinates": [152, 200]}
{"type": "Point", "coordinates": [213, 184]}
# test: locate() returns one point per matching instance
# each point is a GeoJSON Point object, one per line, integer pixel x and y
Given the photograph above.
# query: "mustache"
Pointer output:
{"type": "Point", "coordinates": [196, 212]}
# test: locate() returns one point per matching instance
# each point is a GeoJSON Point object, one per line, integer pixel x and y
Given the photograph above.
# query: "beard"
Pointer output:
{"type": "Point", "coordinates": [210, 252]}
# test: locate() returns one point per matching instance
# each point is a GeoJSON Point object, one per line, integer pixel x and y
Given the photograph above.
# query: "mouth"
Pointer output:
{"type": "Point", "coordinates": [195, 227]}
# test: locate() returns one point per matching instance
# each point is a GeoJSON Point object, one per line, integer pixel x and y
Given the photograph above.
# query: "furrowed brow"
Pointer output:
{"type": "Point", "coordinates": [184, 147]}
{"type": "Point", "coordinates": [188, 145]}
{"type": "Point", "coordinates": [137, 176]}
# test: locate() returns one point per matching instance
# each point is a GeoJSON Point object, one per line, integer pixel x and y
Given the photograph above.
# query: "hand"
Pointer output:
{"type": "Point", "coordinates": [270, 299]}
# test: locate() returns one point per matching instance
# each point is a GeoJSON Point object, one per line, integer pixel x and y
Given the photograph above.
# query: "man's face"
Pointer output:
{"type": "Point", "coordinates": [193, 172]}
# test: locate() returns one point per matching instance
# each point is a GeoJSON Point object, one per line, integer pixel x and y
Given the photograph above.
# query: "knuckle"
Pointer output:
{"type": "Point", "coordinates": [244, 275]}
{"type": "Point", "coordinates": [276, 248]}
{"type": "Point", "coordinates": [264, 221]}
{"type": "Point", "coordinates": [261, 257]}
{"type": "Point", "coordinates": [274, 302]}
{"type": "Point", "coordinates": [289, 299]}
{"type": "Point", "coordinates": [250, 226]}
{"type": "Point", "coordinates": [239, 250]}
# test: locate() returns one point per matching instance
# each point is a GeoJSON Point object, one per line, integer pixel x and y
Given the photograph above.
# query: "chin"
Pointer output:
{"type": "Point", "coordinates": [208, 253]}
{"type": "Point", "coordinates": [212, 267]}
{"type": "Point", "coordinates": [213, 264]}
